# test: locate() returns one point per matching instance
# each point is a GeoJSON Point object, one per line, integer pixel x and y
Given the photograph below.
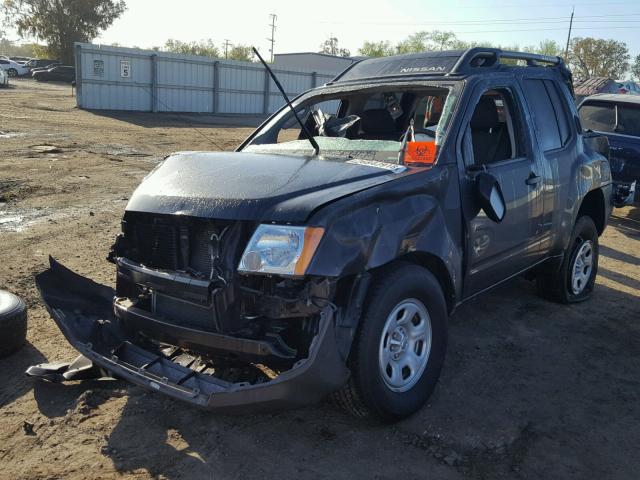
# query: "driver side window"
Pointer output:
{"type": "Point", "coordinates": [496, 128]}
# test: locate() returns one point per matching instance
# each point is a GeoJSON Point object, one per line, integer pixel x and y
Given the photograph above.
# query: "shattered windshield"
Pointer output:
{"type": "Point", "coordinates": [365, 124]}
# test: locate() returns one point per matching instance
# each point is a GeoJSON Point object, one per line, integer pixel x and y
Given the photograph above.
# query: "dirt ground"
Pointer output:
{"type": "Point", "coordinates": [530, 389]}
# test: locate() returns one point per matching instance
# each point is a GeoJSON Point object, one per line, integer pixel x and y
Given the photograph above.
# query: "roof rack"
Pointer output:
{"type": "Point", "coordinates": [443, 63]}
{"type": "Point", "coordinates": [489, 57]}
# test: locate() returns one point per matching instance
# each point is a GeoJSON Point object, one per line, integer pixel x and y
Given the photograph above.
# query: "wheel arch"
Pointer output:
{"type": "Point", "coordinates": [593, 205]}
{"type": "Point", "coordinates": [435, 265]}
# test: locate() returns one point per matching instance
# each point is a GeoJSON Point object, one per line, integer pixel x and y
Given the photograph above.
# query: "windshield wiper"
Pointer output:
{"type": "Point", "coordinates": [306, 132]}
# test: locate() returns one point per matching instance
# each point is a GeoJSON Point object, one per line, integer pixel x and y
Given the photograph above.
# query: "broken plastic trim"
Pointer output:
{"type": "Point", "coordinates": [83, 311]}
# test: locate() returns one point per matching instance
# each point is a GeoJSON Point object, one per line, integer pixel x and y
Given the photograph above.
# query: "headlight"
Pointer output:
{"type": "Point", "coordinates": [280, 250]}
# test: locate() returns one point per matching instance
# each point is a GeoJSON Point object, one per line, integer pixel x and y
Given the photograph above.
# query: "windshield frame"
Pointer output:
{"type": "Point", "coordinates": [320, 94]}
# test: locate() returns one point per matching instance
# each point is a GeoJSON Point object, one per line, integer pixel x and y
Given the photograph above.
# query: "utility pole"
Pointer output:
{"type": "Point", "coordinates": [566, 50]}
{"type": "Point", "coordinates": [227, 43]}
{"type": "Point", "coordinates": [272, 40]}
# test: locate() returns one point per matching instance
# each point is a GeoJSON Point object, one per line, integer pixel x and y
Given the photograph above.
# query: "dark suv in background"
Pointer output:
{"type": "Point", "coordinates": [327, 252]}
{"type": "Point", "coordinates": [59, 73]}
{"type": "Point", "coordinates": [618, 117]}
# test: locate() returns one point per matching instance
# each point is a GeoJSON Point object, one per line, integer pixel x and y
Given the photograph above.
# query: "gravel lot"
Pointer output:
{"type": "Point", "coordinates": [530, 389]}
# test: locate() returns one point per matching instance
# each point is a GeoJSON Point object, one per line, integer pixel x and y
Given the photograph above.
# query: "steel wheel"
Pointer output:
{"type": "Point", "coordinates": [582, 267]}
{"type": "Point", "coordinates": [405, 345]}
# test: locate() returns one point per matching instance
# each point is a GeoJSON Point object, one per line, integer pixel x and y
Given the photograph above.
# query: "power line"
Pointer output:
{"type": "Point", "coordinates": [499, 21]}
{"type": "Point", "coordinates": [272, 40]}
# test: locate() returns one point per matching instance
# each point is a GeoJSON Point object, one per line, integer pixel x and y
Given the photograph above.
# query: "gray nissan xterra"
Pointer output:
{"type": "Point", "coordinates": [325, 255]}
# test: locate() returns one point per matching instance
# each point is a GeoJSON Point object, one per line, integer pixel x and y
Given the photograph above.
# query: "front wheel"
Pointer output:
{"type": "Point", "coordinates": [400, 345]}
{"type": "Point", "coordinates": [576, 278]}
{"type": "Point", "coordinates": [12, 72]}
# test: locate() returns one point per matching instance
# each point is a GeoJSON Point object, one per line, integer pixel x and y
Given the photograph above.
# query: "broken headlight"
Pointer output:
{"type": "Point", "coordinates": [281, 250]}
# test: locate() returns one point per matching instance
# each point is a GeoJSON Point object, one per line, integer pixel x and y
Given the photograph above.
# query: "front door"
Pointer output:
{"type": "Point", "coordinates": [495, 141]}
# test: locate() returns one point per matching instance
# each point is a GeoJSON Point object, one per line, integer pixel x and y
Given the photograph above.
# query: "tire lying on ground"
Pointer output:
{"type": "Point", "coordinates": [13, 323]}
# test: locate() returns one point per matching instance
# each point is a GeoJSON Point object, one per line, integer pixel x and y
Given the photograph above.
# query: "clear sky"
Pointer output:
{"type": "Point", "coordinates": [303, 26]}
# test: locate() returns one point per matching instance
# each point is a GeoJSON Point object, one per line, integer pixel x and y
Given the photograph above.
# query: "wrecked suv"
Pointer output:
{"type": "Point", "coordinates": [325, 255]}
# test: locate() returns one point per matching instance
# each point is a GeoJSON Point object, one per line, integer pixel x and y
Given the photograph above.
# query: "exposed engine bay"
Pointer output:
{"type": "Point", "coordinates": [182, 271]}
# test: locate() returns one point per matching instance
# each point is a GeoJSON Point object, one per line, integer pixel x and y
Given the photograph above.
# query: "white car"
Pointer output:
{"type": "Point", "coordinates": [13, 69]}
{"type": "Point", "coordinates": [4, 78]}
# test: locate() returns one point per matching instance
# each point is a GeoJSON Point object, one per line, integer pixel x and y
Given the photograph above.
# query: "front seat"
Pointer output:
{"type": "Point", "coordinates": [377, 124]}
{"type": "Point", "coordinates": [489, 136]}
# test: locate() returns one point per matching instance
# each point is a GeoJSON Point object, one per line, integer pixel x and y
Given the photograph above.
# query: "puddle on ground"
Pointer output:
{"type": "Point", "coordinates": [14, 219]}
{"type": "Point", "coordinates": [11, 134]}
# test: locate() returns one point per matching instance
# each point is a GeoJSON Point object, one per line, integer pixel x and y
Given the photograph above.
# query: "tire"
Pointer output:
{"type": "Point", "coordinates": [369, 391]}
{"type": "Point", "coordinates": [12, 72]}
{"type": "Point", "coordinates": [559, 286]}
{"type": "Point", "coordinates": [13, 323]}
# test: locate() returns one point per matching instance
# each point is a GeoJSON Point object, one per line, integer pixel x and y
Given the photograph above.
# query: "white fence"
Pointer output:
{"type": "Point", "coordinates": [115, 78]}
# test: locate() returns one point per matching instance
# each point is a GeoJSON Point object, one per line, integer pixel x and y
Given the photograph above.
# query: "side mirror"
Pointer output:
{"type": "Point", "coordinates": [489, 196]}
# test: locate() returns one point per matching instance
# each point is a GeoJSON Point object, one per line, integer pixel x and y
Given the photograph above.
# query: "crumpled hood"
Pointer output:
{"type": "Point", "coordinates": [252, 186]}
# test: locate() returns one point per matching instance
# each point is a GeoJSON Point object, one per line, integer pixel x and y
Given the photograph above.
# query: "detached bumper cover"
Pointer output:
{"type": "Point", "coordinates": [83, 310]}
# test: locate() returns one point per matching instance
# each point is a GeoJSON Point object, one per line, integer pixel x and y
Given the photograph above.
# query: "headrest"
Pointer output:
{"type": "Point", "coordinates": [486, 114]}
{"type": "Point", "coordinates": [377, 121]}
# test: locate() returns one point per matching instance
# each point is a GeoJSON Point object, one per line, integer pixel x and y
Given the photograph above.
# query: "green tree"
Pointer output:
{"type": "Point", "coordinates": [60, 23]}
{"type": "Point", "coordinates": [376, 49]}
{"type": "Point", "coordinates": [240, 52]}
{"type": "Point", "coordinates": [595, 57]}
{"type": "Point", "coordinates": [429, 41]}
{"type": "Point", "coordinates": [330, 46]}
{"type": "Point", "coordinates": [546, 47]}
{"type": "Point", "coordinates": [11, 48]}
{"type": "Point", "coordinates": [203, 48]}
{"type": "Point", "coordinates": [635, 70]}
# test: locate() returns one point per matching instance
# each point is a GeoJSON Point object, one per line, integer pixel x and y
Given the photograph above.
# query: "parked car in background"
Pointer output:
{"type": "Point", "coordinates": [628, 87]}
{"type": "Point", "coordinates": [41, 69]}
{"type": "Point", "coordinates": [618, 117]}
{"type": "Point", "coordinates": [20, 60]}
{"type": "Point", "coordinates": [60, 73]}
{"type": "Point", "coordinates": [4, 79]}
{"type": "Point", "coordinates": [41, 63]}
{"type": "Point", "coordinates": [13, 69]}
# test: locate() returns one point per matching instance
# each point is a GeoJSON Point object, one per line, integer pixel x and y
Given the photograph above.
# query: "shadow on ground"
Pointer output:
{"type": "Point", "coordinates": [181, 120]}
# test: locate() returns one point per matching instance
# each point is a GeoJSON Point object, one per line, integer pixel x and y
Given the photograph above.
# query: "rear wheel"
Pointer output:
{"type": "Point", "coordinates": [12, 72]}
{"type": "Point", "coordinates": [400, 345]}
{"type": "Point", "coordinates": [577, 275]}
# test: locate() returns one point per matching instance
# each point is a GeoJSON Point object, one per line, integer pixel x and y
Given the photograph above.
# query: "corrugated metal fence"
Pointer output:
{"type": "Point", "coordinates": [115, 78]}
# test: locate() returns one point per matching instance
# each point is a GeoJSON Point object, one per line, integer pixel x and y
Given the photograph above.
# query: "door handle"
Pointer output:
{"type": "Point", "coordinates": [533, 179]}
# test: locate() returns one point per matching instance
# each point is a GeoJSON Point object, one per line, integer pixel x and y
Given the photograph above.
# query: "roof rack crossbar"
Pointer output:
{"type": "Point", "coordinates": [493, 55]}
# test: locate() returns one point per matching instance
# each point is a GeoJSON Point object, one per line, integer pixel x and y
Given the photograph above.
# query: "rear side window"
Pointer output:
{"type": "Point", "coordinates": [544, 116]}
{"type": "Point", "coordinates": [560, 108]}
{"type": "Point", "coordinates": [610, 117]}
{"type": "Point", "coordinates": [598, 116]}
{"type": "Point", "coordinates": [629, 120]}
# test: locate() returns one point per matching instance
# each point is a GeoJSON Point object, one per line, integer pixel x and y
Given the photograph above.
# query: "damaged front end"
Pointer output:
{"type": "Point", "coordinates": [182, 321]}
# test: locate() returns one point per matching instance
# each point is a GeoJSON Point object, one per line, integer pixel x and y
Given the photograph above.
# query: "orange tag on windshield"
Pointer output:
{"type": "Point", "coordinates": [420, 154]}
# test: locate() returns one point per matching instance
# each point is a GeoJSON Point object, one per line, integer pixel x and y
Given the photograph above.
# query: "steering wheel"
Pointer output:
{"type": "Point", "coordinates": [337, 127]}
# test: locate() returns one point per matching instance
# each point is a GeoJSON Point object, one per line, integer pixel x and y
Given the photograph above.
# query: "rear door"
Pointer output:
{"type": "Point", "coordinates": [620, 122]}
{"type": "Point", "coordinates": [556, 147]}
{"type": "Point", "coordinates": [496, 141]}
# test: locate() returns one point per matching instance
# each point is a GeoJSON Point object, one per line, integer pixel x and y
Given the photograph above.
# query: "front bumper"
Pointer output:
{"type": "Point", "coordinates": [83, 310]}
